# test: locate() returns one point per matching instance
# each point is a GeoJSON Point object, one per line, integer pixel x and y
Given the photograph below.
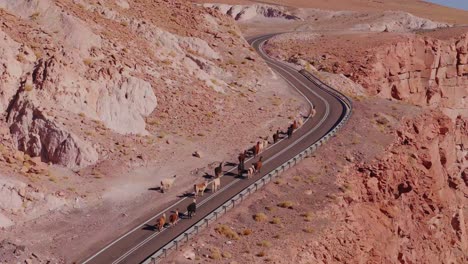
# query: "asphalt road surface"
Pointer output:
{"type": "Point", "coordinates": [141, 242]}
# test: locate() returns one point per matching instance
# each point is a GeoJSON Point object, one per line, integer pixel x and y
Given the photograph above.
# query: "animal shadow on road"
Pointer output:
{"type": "Point", "coordinates": [149, 227]}
{"type": "Point", "coordinates": [186, 194]}
{"type": "Point", "coordinates": [230, 164]}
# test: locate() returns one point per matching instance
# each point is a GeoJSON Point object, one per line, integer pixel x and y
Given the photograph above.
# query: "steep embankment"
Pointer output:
{"type": "Point", "coordinates": [421, 70]}
{"type": "Point", "coordinates": [414, 198]}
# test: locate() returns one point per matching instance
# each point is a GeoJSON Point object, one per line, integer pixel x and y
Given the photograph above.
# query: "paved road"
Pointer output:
{"type": "Point", "coordinates": [138, 244]}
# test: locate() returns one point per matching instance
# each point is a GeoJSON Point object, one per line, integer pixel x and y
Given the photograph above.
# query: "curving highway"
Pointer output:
{"type": "Point", "coordinates": [138, 244]}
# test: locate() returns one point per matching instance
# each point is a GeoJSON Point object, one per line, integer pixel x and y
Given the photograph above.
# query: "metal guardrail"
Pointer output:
{"type": "Point", "coordinates": [213, 216]}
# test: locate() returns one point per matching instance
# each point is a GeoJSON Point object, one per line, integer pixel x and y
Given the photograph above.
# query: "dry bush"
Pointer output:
{"type": "Point", "coordinates": [88, 61]}
{"type": "Point", "coordinates": [269, 208]}
{"type": "Point", "coordinates": [247, 232]}
{"type": "Point", "coordinates": [260, 217]}
{"type": "Point", "coordinates": [276, 221]}
{"type": "Point", "coordinates": [227, 232]}
{"type": "Point", "coordinates": [34, 15]}
{"type": "Point", "coordinates": [215, 253]}
{"type": "Point", "coordinates": [261, 254]}
{"type": "Point", "coordinates": [308, 230]}
{"type": "Point", "coordinates": [20, 57]}
{"type": "Point", "coordinates": [264, 243]}
{"type": "Point", "coordinates": [297, 178]}
{"type": "Point", "coordinates": [279, 182]}
{"type": "Point", "coordinates": [307, 216]}
{"type": "Point", "coordinates": [28, 87]}
{"type": "Point", "coordinates": [286, 204]}
{"type": "Point", "coordinates": [276, 236]}
{"type": "Point", "coordinates": [226, 255]}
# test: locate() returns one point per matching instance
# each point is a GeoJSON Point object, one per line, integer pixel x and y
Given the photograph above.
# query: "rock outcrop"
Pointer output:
{"type": "Point", "coordinates": [244, 13]}
{"type": "Point", "coordinates": [415, 199]}
{"type": "Point", "coordinates": [418, 69]}
{"type": "Point", "coordinates": [421, 71]}
{"type": "Point", "coordinates": [38, 136]}
{"type": "Point", "coordinates": [396, 21]}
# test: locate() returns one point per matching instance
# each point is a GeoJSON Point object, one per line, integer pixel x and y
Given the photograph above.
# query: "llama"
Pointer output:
{"type": "Point", "coordinates": [167, 183]}
{"type": "Point", "coordinates": [161, 222]}
{"type": "Point", "coordinates": [216, 184]}
{"type": "Point", "coordinates": [200, 188]}
{"type": "Point", "coordinates": [173, 218]}
{"type": "Point", "coordinates": [258, 165]}
{"type": "Point", "coordinates": [219, 170]}
{"type": "Point", "coordinates": [250, 172]}
{"type": "Point", "coordinates": [192, 208]}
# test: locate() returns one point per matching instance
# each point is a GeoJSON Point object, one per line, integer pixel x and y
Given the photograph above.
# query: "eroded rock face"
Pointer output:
{"type": "Point", "coordinates": [415, 199]}
{"type": "Point", "coordinates": [76, 33]}
{"type": "Point", "coordinates": [248, 12]}
{"type": "Point", "coordinates": [37, 135]}
{"type": "Point", "coordinates": [422, 71]}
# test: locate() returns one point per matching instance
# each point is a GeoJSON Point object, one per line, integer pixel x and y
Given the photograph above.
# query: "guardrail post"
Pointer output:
{"type": "Point", "coordinates": [176, 244]}
{"type": "Point", "coordinates": [165, 252]}
{"type": "Point", "coordinates": [224, 207]}
{"type": "Point", "coordinates": [206, 221]}
{"type": "Point", "coordinates": [186, 237]}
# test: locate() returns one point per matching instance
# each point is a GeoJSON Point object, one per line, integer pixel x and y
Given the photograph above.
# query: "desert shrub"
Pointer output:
{"type": "Point", "coordinates": [286, 204]}
{"type": "Point", "coordinates": [276, 221]}
{"type": "Point", "coordinates": [226, 255]}
{"type": "Point", "coordinates": [260, 217]}
{"type": "Point", "coordinates": [264, 243]}
{"type": "Point", "coordinates": [20, 57]}
{"type": "Point", "coordinates": [227, 232]}
{"type": "Point", "coordinates": [307, 216]}
{"type": "Point", "coordinates": [261, 254]}
{"type": "Point", "coordinates": [28, 87]}
{"type": "Point", "coordinates": [34, 15]}
{"type": "Point", "coordinates": [215, 253]}
{"type": "Point", "coordinates": [88, 61]}
{"type": "Point", "coordinates": [308, 230]}
{"type": "Point", "coordinates": [246, 232]}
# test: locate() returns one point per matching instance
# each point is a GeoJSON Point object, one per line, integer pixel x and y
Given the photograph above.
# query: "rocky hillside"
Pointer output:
{"type": "Point", "coordinates": [414, 198]}
{"type": "Point", "coordinates": [420, 69]}
{"type": "Point", "coordinates": [92, 89]}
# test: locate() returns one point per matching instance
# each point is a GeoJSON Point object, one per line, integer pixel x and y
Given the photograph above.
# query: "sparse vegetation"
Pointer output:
{"type": "Point", "coordinates": [307, 216]}
{"type": "Point", "coordinates": [286, 204]}
{"type": "Point", "coordinates": [88, 61]}
{"type": "Point", "coordinates": [297, 178]}
{"type": "Point", "coordinates": [275, 221]}
{"type": "Point", "coordinates": [215, 253]}
{"type": "Point", "coordinates": [260, 217]}
{"type": "Point", "coordinates": [38, 54]}
{"type": "Point", "coordinates": [261, 254]}
{"type": "Point", "coordinates": [308, 230]}
{"type": "Point", "coordinates": [20, 57]}
{"type": "Point", "coordinates": [264, 243]}
{"type": "Point", "coordinates": [227, 232]}
{"type": "Point", "coordinates": [124, 23]}
{"type": "Point", "coordinates": [28, 87]}
{"type": "Point", "coordinates": [269, 208]}
{"type": "Point", "coordinates": [247, 232]}
{"type": "Point", "coordinates": [226, 255]}
{"type": "Point", "coordinates": [34, 15]}
{"type": "Point", "coordinates": [279, 182]}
